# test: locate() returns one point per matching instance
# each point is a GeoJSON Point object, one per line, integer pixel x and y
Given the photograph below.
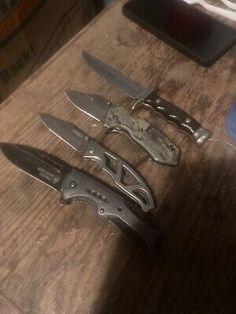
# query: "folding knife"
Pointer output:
{"type": "Point", "coordinates": [128, 180]}
{"type": "Point", "coordinates": [147, 97]}
{"type": "Point", "coordinates": [75, 185]}
{"type": "Point", "coordinates": [116, 119]}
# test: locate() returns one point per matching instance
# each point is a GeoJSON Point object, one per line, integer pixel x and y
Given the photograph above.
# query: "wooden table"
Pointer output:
{"type": "Point", "coordinates": [68, 260]}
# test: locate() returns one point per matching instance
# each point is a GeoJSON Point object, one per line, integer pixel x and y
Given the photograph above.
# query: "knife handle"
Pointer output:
{"type": "Point", "coordinates": [128, 180]}
{"type": "Point", "coordinates": [109, 204]}
{"type": "Point", "coordinates": [178, 117]}
{"type": "Point", "coordinates": [154, 141]}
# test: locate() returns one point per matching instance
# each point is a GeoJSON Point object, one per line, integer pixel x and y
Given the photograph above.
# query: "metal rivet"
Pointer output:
{"type": "Point", "coordinates": [188, 120]}
{"type": "Point", "coordinates": [101, 211]}
{"type": "Point", "coordinates": [158, 100]}
{"type": "Point", "coordinates": [61, 202]}
{"type": "Point", "coordinates": [91, 151]}
{"type": "Point", "coordinates": [73, 184]}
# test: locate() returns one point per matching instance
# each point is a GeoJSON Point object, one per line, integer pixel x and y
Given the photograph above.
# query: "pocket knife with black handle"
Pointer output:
{"type": "Point", "coordinates": [147, 97]}
{"type": "Point", "coordinates": [75, 185]}
{"type": "Point", "coordinates": [117, 119]}
{"type": "Point", "coordinates": [125, 177]}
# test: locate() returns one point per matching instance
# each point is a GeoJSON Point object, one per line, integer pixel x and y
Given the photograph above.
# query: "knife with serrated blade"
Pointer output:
{"type": "Point", "coordinates": [116, 119]}
{"type": "Point", "coordinates": [147, 97]}
{"type": "Point", "coordinates": [125, 177]}
{"type": "Point", "coordinates": [75, 185]}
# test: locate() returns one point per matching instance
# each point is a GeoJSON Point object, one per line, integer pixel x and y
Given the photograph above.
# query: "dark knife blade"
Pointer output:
{"type": "Point", "coordinates": [116, 78]}
{"type": "Point", "coordinates": [38, 164]}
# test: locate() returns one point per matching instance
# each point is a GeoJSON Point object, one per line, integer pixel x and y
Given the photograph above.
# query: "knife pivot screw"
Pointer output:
{"type": "Point", "coordinates": [73, 184]}
{"type": "Point", "coordinates": [188, 120]}
{"type": "Point", "coordinates": [102, 211]}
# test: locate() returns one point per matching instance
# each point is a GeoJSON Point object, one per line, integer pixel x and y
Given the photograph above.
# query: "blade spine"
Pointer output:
{"type": "Point", "coordinates": [30, 175]}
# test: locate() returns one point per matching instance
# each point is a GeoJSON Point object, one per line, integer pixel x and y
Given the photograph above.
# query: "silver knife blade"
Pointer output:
{"type": "Point", "coordinates": [95, 106]}
{"type": "Point", "coordinates": [39, 165]}
{"type": "Point", "coordinates": [118, 79]}
{"type": "Point", "coordinates": [66, 131]}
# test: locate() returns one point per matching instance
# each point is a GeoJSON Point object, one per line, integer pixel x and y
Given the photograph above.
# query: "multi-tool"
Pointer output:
{"type": "Point", "coordinates": [117, 119]}
{"type": "Point", "coordinates": [75, 185]}
{"type": "Point", "coordinates": [148, 97]}
{"type": "Point", "coordinates": [124, 176]}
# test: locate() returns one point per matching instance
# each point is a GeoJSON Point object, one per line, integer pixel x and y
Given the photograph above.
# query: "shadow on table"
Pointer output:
{"type": "Point", "coordinates": [194, 270]}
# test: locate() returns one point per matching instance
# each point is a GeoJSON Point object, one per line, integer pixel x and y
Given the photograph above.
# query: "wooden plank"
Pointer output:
{"type": "Point", "coordinates": [7, 307]}
{"type": "Point", "coordinates": [68, 260]}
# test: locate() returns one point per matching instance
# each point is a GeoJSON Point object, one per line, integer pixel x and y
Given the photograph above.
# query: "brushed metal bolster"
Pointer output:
{"type": "Point", "coordinates": [202, 135]}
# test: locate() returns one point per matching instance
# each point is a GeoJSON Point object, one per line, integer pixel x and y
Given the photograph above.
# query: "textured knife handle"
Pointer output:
{"type": "Point", "coordinates": [154, 141]}
{"type": "Point", "coordinates": [178, 117]}
{"type": "Point", "coordinates": [110, 204]}
{"type": "Point", "coordinates": [128, 180]}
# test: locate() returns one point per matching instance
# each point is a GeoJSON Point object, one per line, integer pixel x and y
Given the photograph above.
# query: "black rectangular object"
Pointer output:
{"type": "Point", "coordinates": [183, 26]}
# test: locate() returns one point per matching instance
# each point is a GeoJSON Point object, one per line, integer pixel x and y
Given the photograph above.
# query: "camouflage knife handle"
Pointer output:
{"type": "Point", "coordinates": [110, 204]}
{"type": "Point", "coordinates": [154, 141]}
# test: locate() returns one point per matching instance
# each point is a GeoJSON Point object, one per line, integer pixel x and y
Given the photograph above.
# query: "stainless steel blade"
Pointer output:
{"type": "Point", "coordinates": [95, 106]}
{"type": "Point", "coordinates": [69, 133]}
{"type": "Point", "coordinates": [43, 167]}
{"type": "Point", "coordinates": [118, 79]}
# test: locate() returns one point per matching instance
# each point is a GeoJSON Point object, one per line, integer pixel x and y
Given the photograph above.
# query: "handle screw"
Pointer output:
{"type": "Point", "coordinates": [73, 184]}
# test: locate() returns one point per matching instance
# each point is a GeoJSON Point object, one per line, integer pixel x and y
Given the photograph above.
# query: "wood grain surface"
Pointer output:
{"type": "Point", "coordinates": [7, 307]}
{"type": "Point", "coordinates": [68, 260]}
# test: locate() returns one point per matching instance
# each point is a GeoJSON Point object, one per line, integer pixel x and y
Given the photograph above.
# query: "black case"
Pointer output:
{"type": "Point", "coordinates": [135, 10]}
